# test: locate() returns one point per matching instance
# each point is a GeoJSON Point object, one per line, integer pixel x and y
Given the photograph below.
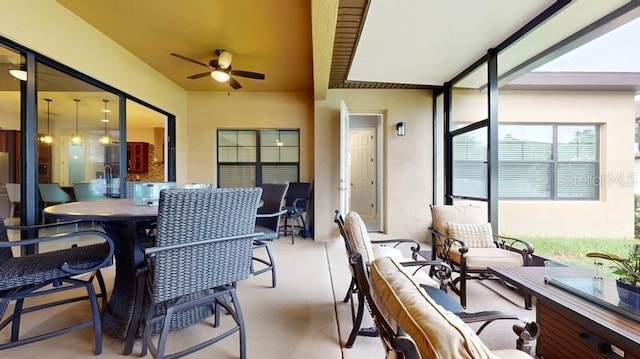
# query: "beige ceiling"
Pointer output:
{"type": "Point", "coordinates": [267, 36]}
{"type": "Point", "coordinates": [421, 43]}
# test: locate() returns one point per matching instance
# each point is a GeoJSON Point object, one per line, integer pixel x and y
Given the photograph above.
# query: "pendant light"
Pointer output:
{"type": "Point", "coordinates": [48, 137]}
{"type": "Point", "coordinates": [76, 139]}
{"type": "Point", "coordinates": [105, 139]}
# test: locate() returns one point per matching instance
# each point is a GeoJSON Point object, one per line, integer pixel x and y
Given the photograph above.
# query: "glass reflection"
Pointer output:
{"type": "Point", "coordinates": [78, 155]}
{"type": "Point", "coordinates": [11, 74]}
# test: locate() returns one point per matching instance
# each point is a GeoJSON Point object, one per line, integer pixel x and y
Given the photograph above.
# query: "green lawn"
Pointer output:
{"type": "Point", "coordinates": [573, 251]}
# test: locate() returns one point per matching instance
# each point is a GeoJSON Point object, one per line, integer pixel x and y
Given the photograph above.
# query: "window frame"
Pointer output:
{"type": "Point", "coordinates": [555, 161]}
{"type": "Point", "coordinates": [258, 164]}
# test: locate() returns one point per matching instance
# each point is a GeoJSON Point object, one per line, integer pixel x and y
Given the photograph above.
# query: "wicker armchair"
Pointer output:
{"type": "Point", "coordinates": [51, 272]}
{"type": "Point", "coordinates": [267, 222]}
{"type": "Point", "coordinates": [203, 246]}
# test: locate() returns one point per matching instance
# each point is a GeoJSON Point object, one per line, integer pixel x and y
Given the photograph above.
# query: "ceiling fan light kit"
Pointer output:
{"type": "Point", "coordinates": [220, 76]}
{"type": "Point", "coordinates": [220, 69]}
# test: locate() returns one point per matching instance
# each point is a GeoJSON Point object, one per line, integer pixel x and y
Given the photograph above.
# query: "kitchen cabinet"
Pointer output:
{"type": "Point", "coordinates": [137, 157]}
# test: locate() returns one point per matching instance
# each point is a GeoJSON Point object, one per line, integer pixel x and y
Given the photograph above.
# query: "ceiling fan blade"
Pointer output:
{"type": "Point", "coordinates": [249, 74]}
{"type": "Point", "coordinates": [200, 75]}
{"type": "Point", "coordinates": [190, 60]}
{"type": "Point", "coordinates": [233, 83]}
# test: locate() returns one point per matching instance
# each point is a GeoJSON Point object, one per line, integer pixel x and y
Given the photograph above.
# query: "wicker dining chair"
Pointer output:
{"type": "Point", "coordinates": [203, 247]}
{"type": "Point", "coordinates": [297, 206]}
{"type": "Point", "coordinates": [46, 273]}
{"type": "Point", "coordinates": [267, 222]}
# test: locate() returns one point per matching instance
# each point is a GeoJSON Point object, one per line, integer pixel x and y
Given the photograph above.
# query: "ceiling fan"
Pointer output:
{"type": "Point", "coordinates": [220, 69]}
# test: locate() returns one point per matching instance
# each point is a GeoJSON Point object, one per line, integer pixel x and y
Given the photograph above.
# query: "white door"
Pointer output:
{"type": "Point", "coordinates": [344, 159]}
{"type": "Point", "coordinates": [363, 186]}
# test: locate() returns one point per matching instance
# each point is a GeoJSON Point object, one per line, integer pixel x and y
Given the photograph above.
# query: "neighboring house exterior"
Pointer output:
{"type": "Point", "coordinates": [565, 165]}
{"type": "Point", "coordinates": [610, 213]}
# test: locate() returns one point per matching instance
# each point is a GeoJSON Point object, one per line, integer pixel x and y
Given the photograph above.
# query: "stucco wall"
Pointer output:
{"type": "Point", "coordinates": [408, 160]}
{"type": "Point", "coordinates": [209, 111]}
{"type": "Point", "coordinates": [612, 215]}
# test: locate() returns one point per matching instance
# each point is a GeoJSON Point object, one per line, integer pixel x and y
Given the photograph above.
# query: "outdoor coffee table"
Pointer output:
{"type": "Point", "coordinates": [572, 326]}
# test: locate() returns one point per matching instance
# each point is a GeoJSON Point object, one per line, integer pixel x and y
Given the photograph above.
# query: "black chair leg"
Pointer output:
{"type": "Point", "coordinates": [269, 263]}
{"type": "Point", "coordinates": [103, 288]}
{"type": "Point", "coordinates": [273, 268]}
{"type": "Point", "coordinates": [463, 291]}
{"type": "Point", "coordinates": [136, 316]}
{"type": "Point", "coordinates": [527, 301]}
{"type": "Point", "coordinates": [15, 325]}
{"type": "Point", "coordinates": [240, 320]}
{"type": "Point", "coordinates": [97, 323]}
{"type": "Point", "coordinates": [303, 230]}
{"type": "Point", "coordinates": [351, 287]}
{"type": "Point", "coordinates": [357, 322]}
{"type": "Point", "coordinates": [293, 231]}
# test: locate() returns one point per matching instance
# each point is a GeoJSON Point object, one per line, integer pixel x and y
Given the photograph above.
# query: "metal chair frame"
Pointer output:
{"type": "Point", "coordinates": [267, 222]}
{"type": "Point", "coordinates": [442, 244]}
{"type": "Point", "coordinates": [438, 269]}
{"type": "Point", "coordinates": [51, 273]}
{"type": "Point", "coordinates": [396, 340]}
{"type": "Point", "coordinates": [297, 205]}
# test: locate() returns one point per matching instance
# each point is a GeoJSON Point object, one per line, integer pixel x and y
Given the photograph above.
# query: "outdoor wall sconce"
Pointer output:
{"type": "Point", "coordinates": [401, 128]}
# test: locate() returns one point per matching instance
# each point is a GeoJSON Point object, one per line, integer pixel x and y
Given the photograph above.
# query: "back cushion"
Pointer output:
{"type": "Point", "coordinates": [358, 236]}
{"type": "Point", "coordinates": [474, 235]}
{"type": "Point", "coordinates": [458, 214]}
{"type": "Point", "coordinates": [437, 332]}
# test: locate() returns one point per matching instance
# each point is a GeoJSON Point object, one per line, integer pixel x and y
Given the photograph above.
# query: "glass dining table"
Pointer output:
{"type": "Point", "coordinates": [122, 220]}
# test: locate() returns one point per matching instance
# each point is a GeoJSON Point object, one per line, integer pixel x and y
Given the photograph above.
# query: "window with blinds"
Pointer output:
{"type": "Point", "coordinates": [248, 158]}
{"type": "Point", "coordinates": [550, 161]}
{"type": "Point", "coordinates": [470, 164]}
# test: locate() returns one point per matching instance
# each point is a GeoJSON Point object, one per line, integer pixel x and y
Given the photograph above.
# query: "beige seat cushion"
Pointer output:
{"type": "Point", "coordinates": [386, 251]}
{"type": "Point", "coordinates": [358, 237]}
{"type": "Point", "coordinates": [436, 332]}
{"type": "Point", "coordinates": [481, 258]}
